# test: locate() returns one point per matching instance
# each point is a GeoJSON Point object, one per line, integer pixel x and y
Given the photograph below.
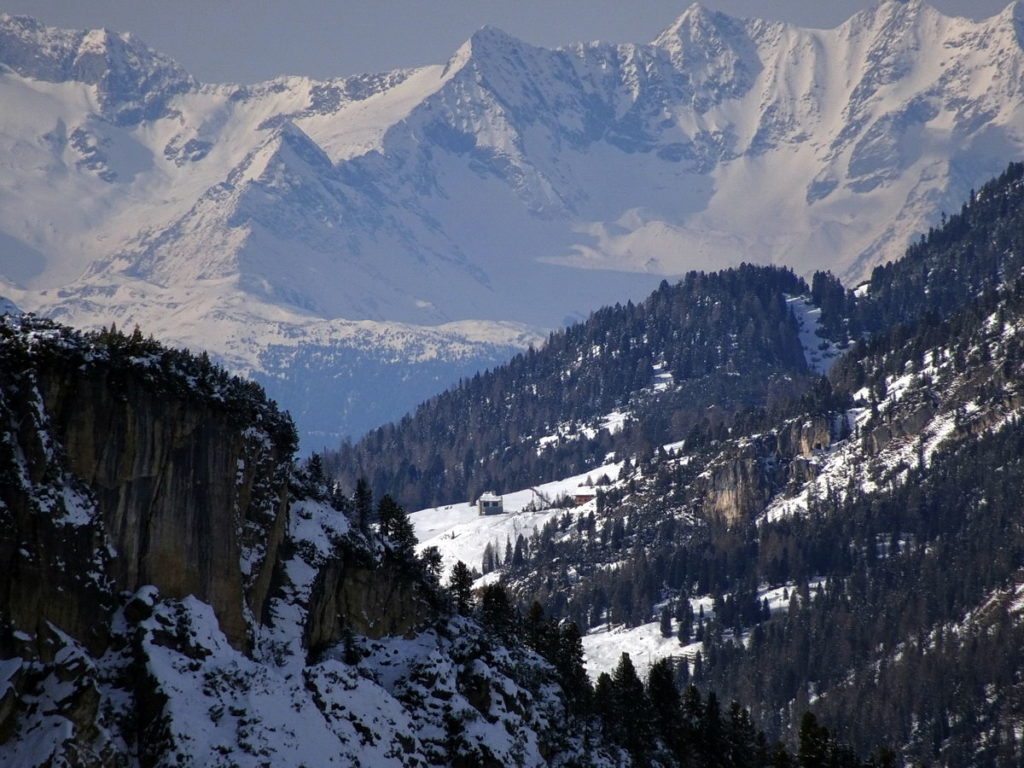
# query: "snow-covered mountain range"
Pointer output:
{"type": "Point", "coordinates": [358, 243]}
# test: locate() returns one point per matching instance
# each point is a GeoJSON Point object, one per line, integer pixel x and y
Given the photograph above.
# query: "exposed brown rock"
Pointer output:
{"type": "Point", "coordinates": [183, 495]}
{"type": "Point", "coordinates": [742, 480]}
{"type": "Point", "coordinates": [737, 486]}
{"type": "Point", "coordinates": [367, 601]}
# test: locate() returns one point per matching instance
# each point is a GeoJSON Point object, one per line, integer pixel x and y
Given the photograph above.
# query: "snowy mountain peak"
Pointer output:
{"type": "Point", "coordinates": [488, 48]}
{"type": "Point", "coordinates": [699, 27]}
{"type": "Point", "coordinates": [714, 51]}
{"type": "Point", "coordinates": [890, 16]}
{"type": "Point", "coordinates": [696, 19]}
{"type": "Point", "coordinates": [133, 81]}
{"type": "Point", "coordinates": [481, 190]}
{"type": "Point", "coordinates": [492, 39]}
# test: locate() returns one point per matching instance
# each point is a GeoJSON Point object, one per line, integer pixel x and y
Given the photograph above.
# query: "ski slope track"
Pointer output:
{"type": "Point", "coordinates": [359, 243]}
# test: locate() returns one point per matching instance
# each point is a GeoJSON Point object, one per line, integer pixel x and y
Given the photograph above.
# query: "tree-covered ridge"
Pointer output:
{"type": "Point", "coordinates": [903, 564]}
{"type": "Point", "coordinates": [725, 339]}
{"type": "Point", "coordinates": [971, 252]}
{"type": "Point", "coordinates": [28, 342]}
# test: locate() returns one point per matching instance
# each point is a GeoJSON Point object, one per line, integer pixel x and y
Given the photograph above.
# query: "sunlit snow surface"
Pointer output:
{"type": "Point", "coordinates": [819, 352]}
{"type": "Point", "coordinates": [461, 533]}
{"type": "Point", "coordinates": [603, 646]}
{"type": "Point", "coordinates": [436, 213]}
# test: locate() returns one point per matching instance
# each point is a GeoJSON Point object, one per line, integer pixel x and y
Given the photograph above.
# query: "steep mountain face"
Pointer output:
{"type": "Point", "coordinates": [856, 551]}
{"type": "Point", "coordinates": [129, 456]}
{"type": "Point", "coordinates": [511, 187]}
{"type": "Point", "coordinates": [176, 593]}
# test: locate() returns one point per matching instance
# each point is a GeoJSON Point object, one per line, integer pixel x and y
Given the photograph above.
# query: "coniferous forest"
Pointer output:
{"type": "Point", "coordinates": [899, 627]}
{"type": "Point", "coordinates": [727, 341]}
{"type": "Point", "coordinates": [768, 513]}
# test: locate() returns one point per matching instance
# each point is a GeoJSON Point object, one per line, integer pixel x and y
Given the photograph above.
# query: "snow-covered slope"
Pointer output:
{"type": "Point", "coordinates": [285, 636]}
{"type": "Point", "coordinates": [512, 184]}
{"type": "Point", "coordinates": [460, 532]}
{"type": "Point", "coordinates": [819, 352]}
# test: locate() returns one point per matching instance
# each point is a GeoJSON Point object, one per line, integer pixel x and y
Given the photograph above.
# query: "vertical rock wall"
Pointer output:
{"type": "Point", "coordinates": [183, 498]}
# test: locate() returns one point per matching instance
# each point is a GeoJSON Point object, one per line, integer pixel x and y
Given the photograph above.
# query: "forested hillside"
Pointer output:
{"type": "Point", "coordinates": [690, 355]}
{"type": "Point", "coordinates": [899, 546]}
{"type": "Point", "coordinates": [242, 611]}
{"type": "Point", "coordinates": [856, 550]}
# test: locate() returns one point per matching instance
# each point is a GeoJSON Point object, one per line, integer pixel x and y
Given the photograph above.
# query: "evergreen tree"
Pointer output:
{"type": "Point", "coordinates": [539, 633]}
{"type": "Point", "coordinates": [460, 584]}
{"type": "Point", "coordinates": [605, 706]}
{"type": "Point", "coordinates": [666, 622]}
{"type": "Point", "coordinates": [571, 670]}
{"type": "Point", "coordinates": [815, 743]}
{"type": "Point", "coordinates": [432, 561]}
{"type": "Point", "coordinates": [362, 501]}
{"type": "Point", "coordinates": [395, 525]}
{"type": "Point", "coordinates": [712, 744]}
{"type": "Point", "coordinates": [666, 706]}
{"type": "Point", "coordinates": [497, 612]}
{"type": "Point", "coordinates": [631, 709]}
{"type": "Point", "coordinates": [316, 485]}
{"type": "Point", "coordinates": [741, 737]}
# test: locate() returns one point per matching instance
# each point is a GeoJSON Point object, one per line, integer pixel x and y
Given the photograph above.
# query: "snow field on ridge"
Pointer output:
{"type": "Point", "coordinates": [460, 533]}
{"type": "Point", "coordinates": [819, 352]}
{"type": "Point", "coordinates": [603, 645]}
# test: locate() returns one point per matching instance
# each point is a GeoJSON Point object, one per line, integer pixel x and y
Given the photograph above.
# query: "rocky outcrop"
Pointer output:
{"type": "Point", "coordinates": [737, 486]}
{"type": "Point", "coordinates": [807, 437]}
{"type": "Point", "coordinates": [174, 484]}
{"type": "Point", "coordinates": [741, 481]}
{"type": "Point", "coordinates": [147, 483]}
{"type": "Point", "coordinates": [351, 597]}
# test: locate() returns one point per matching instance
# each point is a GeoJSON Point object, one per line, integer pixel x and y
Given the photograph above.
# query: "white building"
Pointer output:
{"type": "Point", "coordinates": [489, 503]}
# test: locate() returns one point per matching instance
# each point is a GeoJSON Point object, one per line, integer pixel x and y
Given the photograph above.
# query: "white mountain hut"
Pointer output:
{"type": "Point", "coordinates": [489, 503]}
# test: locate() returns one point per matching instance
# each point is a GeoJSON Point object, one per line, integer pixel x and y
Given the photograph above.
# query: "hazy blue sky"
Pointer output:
{"type": "Point", "coordinates": [250, 40]}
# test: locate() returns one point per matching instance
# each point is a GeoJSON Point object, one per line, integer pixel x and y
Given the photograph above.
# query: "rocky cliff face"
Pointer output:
{"type": "Point", "coordinates": [171, 599]}
{"type": "Point", "coordinates": [741, 481]}
{"type": "Point", "coordinates": [350, 597]}
{"type": "Point", "coordinates": [176, 495]}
